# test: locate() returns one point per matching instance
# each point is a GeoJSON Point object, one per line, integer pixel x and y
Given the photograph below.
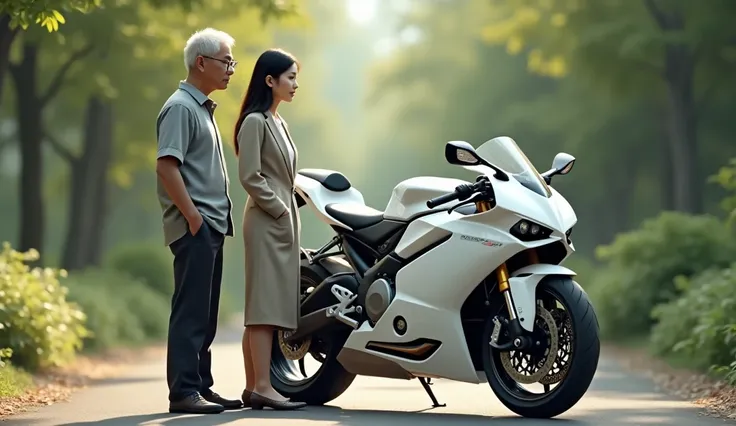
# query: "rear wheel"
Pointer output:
{"type": "Point", "coordinates": [290, 362]}
{"type": "Point", "coordinates": [560, 369]}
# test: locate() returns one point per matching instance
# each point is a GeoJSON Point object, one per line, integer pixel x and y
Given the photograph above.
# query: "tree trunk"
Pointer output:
{"type": "Point", "coordinates": [678, 73]}
{"type": "Point", "coordinates": [7, 36]}
{"type": "Point", "coordinates": [679, 70]}
{"type": "Point", "coordinates": [30, 137]}
{"type": "Point", "coordinates": [88, 203]}
{"type": "Point", "coordinates": [667, 188]}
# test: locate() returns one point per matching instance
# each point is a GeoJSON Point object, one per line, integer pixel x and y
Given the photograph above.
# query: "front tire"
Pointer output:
{"type": "Point", "coordinates": [582, 361]}
{"type": "Point", "coordinates": [331, 380]}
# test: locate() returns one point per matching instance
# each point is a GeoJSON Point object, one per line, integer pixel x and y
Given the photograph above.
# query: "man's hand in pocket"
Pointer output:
{"type": "Point", "coordinates": [195, 223]}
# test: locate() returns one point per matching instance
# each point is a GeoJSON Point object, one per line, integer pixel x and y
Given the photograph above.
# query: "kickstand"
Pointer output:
{"type": "Point", "coordinates": [425, 384]}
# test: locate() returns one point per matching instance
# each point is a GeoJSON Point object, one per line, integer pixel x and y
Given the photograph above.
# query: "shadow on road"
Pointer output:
{"type": "Point", "coordinates": [113, 381]}
{"type": "Point", "coordinates": [338, 416]}
{"type": "Point", "coordinates": [615, 398]}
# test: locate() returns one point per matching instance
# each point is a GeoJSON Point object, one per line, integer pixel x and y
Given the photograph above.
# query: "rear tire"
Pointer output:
{"type": "Point", "coordinates": [331, 380]}
{"type": "Point", "coordinates": [583, 360]}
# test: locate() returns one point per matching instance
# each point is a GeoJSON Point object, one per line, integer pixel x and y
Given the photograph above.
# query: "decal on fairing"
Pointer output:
{"type": "Point", "coordinates": [483, 241]}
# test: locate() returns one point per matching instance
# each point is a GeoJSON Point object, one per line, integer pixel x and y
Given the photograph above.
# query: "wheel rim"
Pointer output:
{"type": "Point", "coordinates": [555, 373]}
{"type": "Point", "coordinates": [292, 372]}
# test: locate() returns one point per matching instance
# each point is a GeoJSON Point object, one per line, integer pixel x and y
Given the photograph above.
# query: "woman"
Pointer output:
{"type": "Point", "coordinates": [267, 166]}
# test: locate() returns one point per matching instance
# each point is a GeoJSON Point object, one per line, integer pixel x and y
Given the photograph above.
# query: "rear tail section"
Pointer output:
{"type": "Point", "coordinates": [319, 188]}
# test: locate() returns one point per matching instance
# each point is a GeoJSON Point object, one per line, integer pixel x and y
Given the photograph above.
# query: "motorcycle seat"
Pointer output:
{"type": "Point", "coordinates": [354, 215]}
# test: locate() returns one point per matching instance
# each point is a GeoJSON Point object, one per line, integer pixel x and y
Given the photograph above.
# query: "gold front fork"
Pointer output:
{"type": "Point", "coordinates": [482, 206]}
{"type": "Point", "coordinates": [502, 276]}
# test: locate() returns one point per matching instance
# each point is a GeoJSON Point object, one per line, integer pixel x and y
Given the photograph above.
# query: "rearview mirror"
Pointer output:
{"type": "Point", "coordinates": [461, 153]}
{"type": "Point", "coordinates": [563, 163]}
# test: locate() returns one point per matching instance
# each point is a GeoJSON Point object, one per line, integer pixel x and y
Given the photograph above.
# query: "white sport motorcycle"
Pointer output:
{"type": "Point", "coordinates": [471, 292]}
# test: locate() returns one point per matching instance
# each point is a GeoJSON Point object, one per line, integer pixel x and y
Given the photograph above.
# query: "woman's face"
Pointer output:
{"type": "Point", "coordinates": [285, 87]}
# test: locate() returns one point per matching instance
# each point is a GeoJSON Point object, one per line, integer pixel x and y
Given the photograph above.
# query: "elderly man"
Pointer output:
{"type": "Point", "coordinates": [193, 191]}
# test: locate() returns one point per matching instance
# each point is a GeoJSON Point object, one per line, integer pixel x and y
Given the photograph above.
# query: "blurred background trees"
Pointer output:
{"type": "Point", "coordinates": [637, 90]}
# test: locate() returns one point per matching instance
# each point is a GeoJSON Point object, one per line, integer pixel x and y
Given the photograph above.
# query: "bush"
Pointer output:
{"type": "Point", "coordinates": [120, 309]}
{"type": "Point", "coordinates": [13, 381]}
{"type": "Point", "coordinates": [726, 178]}
{"type": "Point", "coordinates": [642, 266]}
{"type": "Point", "coordinates": [701, 324]}
{"type": "Point", "coordinates": [37, 322]}
{"type": "Point", "coordinates": [147, 263]}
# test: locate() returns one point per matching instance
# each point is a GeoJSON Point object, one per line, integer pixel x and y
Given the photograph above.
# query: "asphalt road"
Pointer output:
{"type": "Point", "coordinates": [139, 398]}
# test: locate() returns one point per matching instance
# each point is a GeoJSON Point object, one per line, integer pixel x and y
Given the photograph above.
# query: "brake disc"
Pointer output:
{"type": "Point", "coordinates": [564, 354]}
{"type": "Point", "coordinates": [294, 350]}
{"type": "Point", "coordinates": [525, 368]}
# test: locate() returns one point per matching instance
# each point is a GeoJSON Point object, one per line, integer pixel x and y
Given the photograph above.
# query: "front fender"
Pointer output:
{"type": "Point", "coordinates": [523, 286]}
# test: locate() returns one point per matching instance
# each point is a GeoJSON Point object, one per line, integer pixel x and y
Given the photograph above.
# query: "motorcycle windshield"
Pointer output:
{"type": "Point", "coordinates": [503, 153]}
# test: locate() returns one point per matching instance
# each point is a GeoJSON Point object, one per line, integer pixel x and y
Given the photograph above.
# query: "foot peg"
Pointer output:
{"type": "Point", "coordinates": [341, 309]}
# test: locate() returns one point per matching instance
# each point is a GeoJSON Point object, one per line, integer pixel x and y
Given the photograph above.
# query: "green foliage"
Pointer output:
{"type": "Point", "coordinates": [642, 265]}
{"type": "Point", "coordinates": [726, 177]}
{"type": "Point", "coordinates": [701, 324]}
{"type": "Point", "coordinates": [37, 321]}
{"type": "Point", "coordinates": [13, 381]}
{"type": "Point", "coordinates": [607, 39]}
{"type": "Point", "coordinates": [148, 263]}
{"type": "Point", "coordinates": [5, 354]}
{"type": "Point", "coordinates": [121, 311]}
{"type": "Point", "coordinates": [46, 13]}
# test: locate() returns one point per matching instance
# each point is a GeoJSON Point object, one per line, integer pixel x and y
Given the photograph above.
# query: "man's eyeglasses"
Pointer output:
{"type": "Point", "coordinates": [230, 63]}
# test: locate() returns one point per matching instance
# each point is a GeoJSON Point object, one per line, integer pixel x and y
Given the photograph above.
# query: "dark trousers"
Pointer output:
{"type": "Point", "coordinates": [194, 311]}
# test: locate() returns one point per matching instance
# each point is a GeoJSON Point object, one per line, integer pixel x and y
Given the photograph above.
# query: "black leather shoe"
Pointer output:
{"type": "Point", "coordinates": [229, 404]}
{"type": "Point", "coordinates": [195, 404]}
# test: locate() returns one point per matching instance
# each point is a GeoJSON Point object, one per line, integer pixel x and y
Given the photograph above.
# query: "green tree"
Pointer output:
{"type": "Point", "coordinates": [17, 14]}
{"type": "Point", "coordinates": [101, 67]}
{"type": "Point", "coordinates": [47, 13]}
{"type": "Point", "coordinates": [677, 49]}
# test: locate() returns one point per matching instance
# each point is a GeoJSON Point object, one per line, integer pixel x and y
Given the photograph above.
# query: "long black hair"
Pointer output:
{"type": "Point", "coordinates": [259, 97]}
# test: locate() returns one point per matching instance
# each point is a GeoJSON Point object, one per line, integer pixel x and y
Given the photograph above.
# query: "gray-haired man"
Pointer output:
{"type": "Point", "coordinates": [193, 192]}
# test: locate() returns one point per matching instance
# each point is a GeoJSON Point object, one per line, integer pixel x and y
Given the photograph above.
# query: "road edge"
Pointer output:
{"type": "Point", "coordinates": [715, 397]}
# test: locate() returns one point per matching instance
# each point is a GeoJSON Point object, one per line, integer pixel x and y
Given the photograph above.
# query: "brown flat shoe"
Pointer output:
{"type": "Point", "coordinates": [246, 398]}
{"type": "Point", "coordinates": [257, 402]}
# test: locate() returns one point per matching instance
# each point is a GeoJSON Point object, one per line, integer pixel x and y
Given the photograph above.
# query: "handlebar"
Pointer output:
{"type": "Point", "coordinates": [461, 191]}
{"type": "Point", "coordinates": [442, 199]}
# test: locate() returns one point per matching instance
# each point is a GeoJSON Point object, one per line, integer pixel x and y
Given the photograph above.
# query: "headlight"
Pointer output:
{"type": "Point", "coordinates": [526, 230]}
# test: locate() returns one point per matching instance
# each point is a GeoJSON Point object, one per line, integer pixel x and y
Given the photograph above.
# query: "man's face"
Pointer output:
{"type": "Point", "coordinates": [218, 68]}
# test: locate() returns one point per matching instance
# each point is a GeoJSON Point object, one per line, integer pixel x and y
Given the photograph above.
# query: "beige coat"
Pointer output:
{"type": "Point", "coordinates": [271, 245]}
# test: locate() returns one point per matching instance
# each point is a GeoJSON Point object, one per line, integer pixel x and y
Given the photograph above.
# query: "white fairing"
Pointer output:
{"type": "Point", "coordinates": [431, 289]}
{"type": "Point", "coordinates": [410, 197]}
{"type": "Point", "coordinates": [317, 197]}
{"type": "Point", "coordinates": [523, 289]}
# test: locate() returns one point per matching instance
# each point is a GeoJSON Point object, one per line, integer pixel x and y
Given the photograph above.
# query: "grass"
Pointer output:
{"type": "Point", "coordinates": [13, 381]}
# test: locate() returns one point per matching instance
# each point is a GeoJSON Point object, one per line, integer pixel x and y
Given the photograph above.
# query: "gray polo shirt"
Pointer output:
{"type": "Point", "coordinates": [186, 129]}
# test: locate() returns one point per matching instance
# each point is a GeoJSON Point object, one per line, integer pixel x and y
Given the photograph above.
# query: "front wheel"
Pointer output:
{"type": "Point", "coordinates": [566, 356]}
{"type": "Point", "coordinates": [289, 361]}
